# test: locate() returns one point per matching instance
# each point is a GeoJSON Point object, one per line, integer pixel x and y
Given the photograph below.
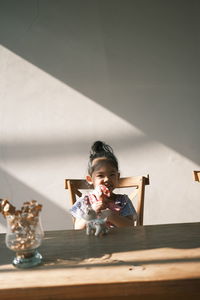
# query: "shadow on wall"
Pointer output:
{"type": "Point", "coordinates": [57, 148]}
{"type": "Point", "coordinates": [127, 57]}
{"type": "Point", "coordinates": [18, 192]}
{"type": "Point", "coordinates": [50, 211]}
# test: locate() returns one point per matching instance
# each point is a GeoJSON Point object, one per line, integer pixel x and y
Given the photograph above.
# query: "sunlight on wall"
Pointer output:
{"type": "Point", "coordinates": [46, 132]}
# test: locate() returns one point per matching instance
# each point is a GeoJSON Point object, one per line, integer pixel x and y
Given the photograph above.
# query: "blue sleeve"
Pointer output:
{"type": "Point", "coordinates": [77, 209]}
{"type": "Point", "coordinates": [128, 209]}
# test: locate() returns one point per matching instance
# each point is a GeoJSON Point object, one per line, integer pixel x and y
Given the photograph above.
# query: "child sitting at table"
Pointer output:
{"type": "Point", "coordinates": [103, 174]}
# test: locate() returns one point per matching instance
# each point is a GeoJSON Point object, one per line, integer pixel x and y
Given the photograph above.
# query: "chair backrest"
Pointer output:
{"type": "Point", "coordinates": [196, 175]}
{"type": "Point", "coordinates": [137, 182]}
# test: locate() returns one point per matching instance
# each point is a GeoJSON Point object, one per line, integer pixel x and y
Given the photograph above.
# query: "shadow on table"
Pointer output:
{"type": "Point", "coordinates": [71, 249]}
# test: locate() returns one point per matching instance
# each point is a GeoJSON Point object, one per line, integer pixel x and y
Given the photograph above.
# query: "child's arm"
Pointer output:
{"type": "Point", "coordinates": [79, 224]}
{"type": "Point", "coordinates": [120, 221]}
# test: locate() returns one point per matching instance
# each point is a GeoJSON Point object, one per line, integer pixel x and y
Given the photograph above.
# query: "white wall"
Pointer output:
{"type": "Point", "coordinates": [126, 72]}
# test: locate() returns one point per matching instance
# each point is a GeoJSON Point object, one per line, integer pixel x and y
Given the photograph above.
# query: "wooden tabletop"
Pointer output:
{"type": "Point", "coordinates": [144, 262]}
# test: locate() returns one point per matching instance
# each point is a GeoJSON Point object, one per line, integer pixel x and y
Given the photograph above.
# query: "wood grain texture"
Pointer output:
{"type": "Point", "coordinates": [196, 175]}
{"type": "Point", "coordinates": [144, 262]}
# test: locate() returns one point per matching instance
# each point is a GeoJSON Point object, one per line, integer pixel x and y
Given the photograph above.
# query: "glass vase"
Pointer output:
{"type": "Point", "coordinates": [24, 235]}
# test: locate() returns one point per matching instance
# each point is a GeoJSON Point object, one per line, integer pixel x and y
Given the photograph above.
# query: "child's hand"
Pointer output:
{"type": "Point", "coordinates": [97, 206]}
{"type": "Point", "coordinates": [101, 192]}
{"type": "Point", "coordinates": [98, 197]}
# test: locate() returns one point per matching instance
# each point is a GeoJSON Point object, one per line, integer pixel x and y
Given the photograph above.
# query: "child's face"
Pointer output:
{"type": "Point", "coordinates": [107, 175]}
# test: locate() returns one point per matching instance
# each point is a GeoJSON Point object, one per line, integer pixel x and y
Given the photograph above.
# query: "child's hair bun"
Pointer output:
{"type": "Point", "coordinates": [100, 147]}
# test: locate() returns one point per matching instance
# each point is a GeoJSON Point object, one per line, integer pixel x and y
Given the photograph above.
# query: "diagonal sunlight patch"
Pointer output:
{"type": "Point", "coordinates": [46, 131]}
{"type": "Point", "coordinates": [40, 112]}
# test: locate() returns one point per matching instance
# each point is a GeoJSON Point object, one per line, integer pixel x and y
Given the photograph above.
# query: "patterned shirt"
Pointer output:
{"type": "Point", "coordinates": [124, 204]}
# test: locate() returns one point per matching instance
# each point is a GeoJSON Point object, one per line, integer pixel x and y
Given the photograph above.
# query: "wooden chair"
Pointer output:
{"type": "Point", "coordinates": [196, 175]}
{"type": "Point", "coordinates": [137, 182]}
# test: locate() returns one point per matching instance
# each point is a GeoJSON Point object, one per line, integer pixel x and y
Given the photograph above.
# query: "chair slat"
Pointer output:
{"type": "Point", "coordinates": [196, 175]}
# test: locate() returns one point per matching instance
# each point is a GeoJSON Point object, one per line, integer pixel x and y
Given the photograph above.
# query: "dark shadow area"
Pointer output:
{"type": "Point", "coordinates": [145, 238]}
{"type": "Point", "coordinates": [56, 148]}
{"type": "Point", "coordinates": [138, 59]}
{"type": "Point", "coordinates": [71, 249]}
{"type": "Point", "coordinates": [50, 211]}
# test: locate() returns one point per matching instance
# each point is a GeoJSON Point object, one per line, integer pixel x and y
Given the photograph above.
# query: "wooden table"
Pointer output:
{"type": "Point", "coordinates": [149, 262]}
